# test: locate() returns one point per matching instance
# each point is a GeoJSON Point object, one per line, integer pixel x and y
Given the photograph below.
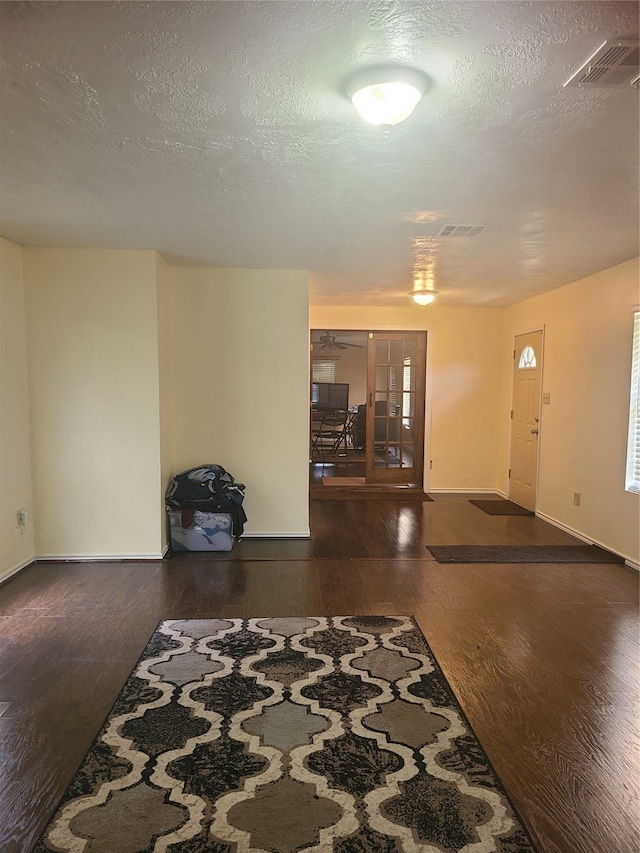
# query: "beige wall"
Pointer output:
{"type": "Point", "coordinates": [15, 453]}
{"type": "Point", "coordinates": [583, 434]}
{"type": "Point", "coordinates": [463, 361]}
{"type": "Point", "coordinates": [92, 333]}
{"type": "Point", "coordinates": [588, 329]}
{"type": "Point", "coordinates": [137, 370]}
{"type": "Point", "coordinates": [240, 387]}
{"type": "Point", "coordinates": [165, 374]}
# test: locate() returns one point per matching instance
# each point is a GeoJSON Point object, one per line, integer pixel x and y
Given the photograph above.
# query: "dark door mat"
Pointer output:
{"type": "Point", "coordinates": [522, 554]}
{"type": "Point", "coordinates": [498, 507]}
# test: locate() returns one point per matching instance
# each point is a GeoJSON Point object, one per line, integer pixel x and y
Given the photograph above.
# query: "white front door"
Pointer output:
{"type": "Point", "coordinates": [525, 424]}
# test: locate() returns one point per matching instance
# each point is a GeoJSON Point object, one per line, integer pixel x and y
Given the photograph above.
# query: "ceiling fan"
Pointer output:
{"type": "Point", "coordinates": [327, 343]}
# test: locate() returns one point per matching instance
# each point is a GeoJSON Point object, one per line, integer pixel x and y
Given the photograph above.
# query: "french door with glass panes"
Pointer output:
{"type": "Point", "coordinates": [396, 367]}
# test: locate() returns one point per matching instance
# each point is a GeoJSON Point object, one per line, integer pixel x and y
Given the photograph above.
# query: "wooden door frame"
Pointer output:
{"type": "Point", "coordinates": [420, 447]}
{"type": "Point", "coordinates": [542, 330]}
{"type": "Point", "coordinates": [428, 383]}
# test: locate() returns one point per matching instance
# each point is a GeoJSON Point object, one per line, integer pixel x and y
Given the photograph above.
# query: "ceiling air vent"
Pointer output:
{"type": "Point", "coordinates": [615, 63]}
{"type": "Point", "coordinates": [461, 230]}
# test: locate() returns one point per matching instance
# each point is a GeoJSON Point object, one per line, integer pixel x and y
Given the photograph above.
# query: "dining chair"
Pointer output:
{"type": "Point", "coordinates": [330, 433]}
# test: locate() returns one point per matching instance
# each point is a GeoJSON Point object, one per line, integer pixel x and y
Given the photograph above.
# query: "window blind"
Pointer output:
{"type": "Point", "coordinates": [323, 370]}
{"type": "Point", "coordinates": [633, 447]}
{"type": "Point", "coordinates": [406, 395]}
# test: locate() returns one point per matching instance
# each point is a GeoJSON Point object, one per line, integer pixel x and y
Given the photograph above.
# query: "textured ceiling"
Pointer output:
{"type": "Point", "coordinates": [218, 134]}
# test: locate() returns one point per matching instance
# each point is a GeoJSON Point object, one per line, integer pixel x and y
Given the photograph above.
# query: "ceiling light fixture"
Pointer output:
{"type": "Point", "coordinates": [386, 95]}
{"type": "Point", "coordinates": [423, 297]}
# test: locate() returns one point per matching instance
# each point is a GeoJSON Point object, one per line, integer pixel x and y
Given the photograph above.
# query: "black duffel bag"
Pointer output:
{"type": "Point", "coordinates": [208, 488]}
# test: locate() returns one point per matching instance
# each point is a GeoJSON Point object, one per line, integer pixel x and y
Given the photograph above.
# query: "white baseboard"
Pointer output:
{"type": "Point", "coordinates": [17, 568]}
{"type": "Point", "coordinates": [97, 558]}
{"type": "Point", "coordinates": [467, 492]}
{"type": "Point", "coordinates": [553, 521]}
{"type": "Point", "coordinates": [133, 558]}
{"type": "Point", "coordinates": [286, 534]}
{"type": "Point", "coordinates": [544, 517]}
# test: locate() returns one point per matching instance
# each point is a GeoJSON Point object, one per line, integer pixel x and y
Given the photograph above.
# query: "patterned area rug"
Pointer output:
{"type": "Point", "coordinates": [522, 554]}
{"type": "Point", "coordinates": [281, 735]}
{"type": "Point", "coordinates": [501, 507]}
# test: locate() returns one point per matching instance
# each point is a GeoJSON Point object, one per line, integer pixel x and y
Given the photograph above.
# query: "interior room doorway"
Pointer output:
{"type": "Point", "coordinates": [380, 378]}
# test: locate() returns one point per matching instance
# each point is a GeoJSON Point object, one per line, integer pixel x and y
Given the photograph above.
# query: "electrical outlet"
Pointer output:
{"type": "Point", "coordinates": [22, 517]}
{"type": "Point", "coordinates": [576, 498]}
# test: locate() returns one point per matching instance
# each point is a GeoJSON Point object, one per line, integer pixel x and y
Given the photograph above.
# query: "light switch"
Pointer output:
{"type": "Point", "coordinates": [546, 398]}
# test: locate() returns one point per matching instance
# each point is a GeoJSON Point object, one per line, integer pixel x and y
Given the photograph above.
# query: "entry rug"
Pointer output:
{"type": "Point", "coordinates": [522, 554]}
{"type": "Point", "coordinates": [281, 735]}
{"type": "Point", "coordinates": [501, 507]}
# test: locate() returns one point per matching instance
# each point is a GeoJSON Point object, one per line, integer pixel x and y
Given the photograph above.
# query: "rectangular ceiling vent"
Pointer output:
{"type": "Point", "coordinates": [461, 230]}
{"type": "Point", "coordinates": [615, 63]}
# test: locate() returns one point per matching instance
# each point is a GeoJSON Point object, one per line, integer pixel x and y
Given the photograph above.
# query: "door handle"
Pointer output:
{"type": "Point", "coordinates": [534, 432]}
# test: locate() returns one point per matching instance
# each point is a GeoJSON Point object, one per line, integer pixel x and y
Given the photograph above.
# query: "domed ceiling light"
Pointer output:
{"type": "Point", "coordinates": [386, 95]}
{"type": "Point", "coordinates": [424, 292]}
{"type": "Point", "coordinates": [423, 297]}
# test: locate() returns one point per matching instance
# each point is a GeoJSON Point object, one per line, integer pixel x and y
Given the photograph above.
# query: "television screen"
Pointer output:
{"type": "Point", "coordinates": [330, 395]}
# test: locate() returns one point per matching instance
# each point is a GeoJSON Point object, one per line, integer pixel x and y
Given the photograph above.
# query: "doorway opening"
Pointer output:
{"type": "Point", "coordinates": [367, 402]}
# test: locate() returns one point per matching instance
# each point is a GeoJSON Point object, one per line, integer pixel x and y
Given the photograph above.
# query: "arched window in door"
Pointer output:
{"type": "Point", "coordinates": [527, 359]}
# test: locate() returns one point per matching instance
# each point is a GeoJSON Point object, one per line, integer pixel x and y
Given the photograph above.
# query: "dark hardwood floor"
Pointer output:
{"type": "Point", "coordinates": [543, 658]}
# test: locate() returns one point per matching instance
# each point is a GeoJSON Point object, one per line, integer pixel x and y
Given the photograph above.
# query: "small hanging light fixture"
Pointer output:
{"type": "Point", "coordinates": [423, 297]}
{"type": "Point", "coordinates": [424, 292]}
{"type": "Point", "coordinates": [386, 95]}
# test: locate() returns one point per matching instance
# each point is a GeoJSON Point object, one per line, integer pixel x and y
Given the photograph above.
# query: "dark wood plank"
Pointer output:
{"type": "Point", "coordinates": [543, 658]}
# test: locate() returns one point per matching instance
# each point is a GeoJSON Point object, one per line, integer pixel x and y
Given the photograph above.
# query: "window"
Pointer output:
{"type": "Point", "coordinates": [406, 396]}
{"type": "Point", "coordinates": [633, 447]}
{"type": "Point", "coordinates": [527, 359]}
{"type": "Point", "coordinates": [323, 370]}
